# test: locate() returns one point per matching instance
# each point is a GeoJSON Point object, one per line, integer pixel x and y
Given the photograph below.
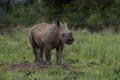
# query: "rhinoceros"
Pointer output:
{"type": "Point", "coordinates": [44, 37]}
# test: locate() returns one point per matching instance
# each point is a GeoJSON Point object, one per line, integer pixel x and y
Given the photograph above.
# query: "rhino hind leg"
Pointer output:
{"type": "Point", "coordinates": [41, 51]}
{"type": "Point", "coordinates": [47, 55]}
{"type": "Point", "coordinates": [35, 50]}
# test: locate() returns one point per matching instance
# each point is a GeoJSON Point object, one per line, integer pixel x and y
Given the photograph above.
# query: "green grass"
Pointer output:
{"type": "Point", "coordinates": [91, 57]}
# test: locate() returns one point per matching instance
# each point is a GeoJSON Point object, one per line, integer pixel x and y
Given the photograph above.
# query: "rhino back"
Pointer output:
{"type": "Point", "coordinates": [44, 33]}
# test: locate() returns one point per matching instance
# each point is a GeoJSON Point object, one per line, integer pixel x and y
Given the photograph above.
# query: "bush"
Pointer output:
{"type": "Point", "coordinates": [74, 16]}
{"type": "Point", "coordinates": [5, 19]}
{"type": "Point", "coordinates": [94, 15]}
{"type": "Point", "coordinates": [95, 21]}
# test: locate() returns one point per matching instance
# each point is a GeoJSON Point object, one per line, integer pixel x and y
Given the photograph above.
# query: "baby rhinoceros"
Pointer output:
{"type": "Point", "coordinates": [45, 37]}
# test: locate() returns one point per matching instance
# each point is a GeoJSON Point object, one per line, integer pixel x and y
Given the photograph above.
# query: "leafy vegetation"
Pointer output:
{"type": "Point", "coordinates": [91, 57]}
{"type": "Point", "coordinates": [95, 15]}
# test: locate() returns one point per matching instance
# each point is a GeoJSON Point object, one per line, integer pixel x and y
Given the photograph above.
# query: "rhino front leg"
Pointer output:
{"type": "Point", "coordinates": [48, 55]}
{"type": "Point", "coordinates": [59, 50]}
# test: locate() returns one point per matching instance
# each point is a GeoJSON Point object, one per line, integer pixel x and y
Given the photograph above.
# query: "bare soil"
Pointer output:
{"type": "Point", "coordinates": [28, 66]}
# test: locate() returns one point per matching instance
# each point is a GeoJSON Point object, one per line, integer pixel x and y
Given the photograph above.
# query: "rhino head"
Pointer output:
{"type": "Point", "coordinates": [64, 34]}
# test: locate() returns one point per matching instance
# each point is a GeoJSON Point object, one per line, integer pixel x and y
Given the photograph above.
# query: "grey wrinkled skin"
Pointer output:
{"type": "Point", "coordinates": [44, 37]}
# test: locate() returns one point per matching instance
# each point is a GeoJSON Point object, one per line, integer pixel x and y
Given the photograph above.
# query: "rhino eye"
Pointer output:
{"type": "Point", "coordinates": [63, 34]}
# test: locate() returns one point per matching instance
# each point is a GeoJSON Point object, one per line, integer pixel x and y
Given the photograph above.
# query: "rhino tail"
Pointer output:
{"type": "Point", "coordinates": [32, 40]}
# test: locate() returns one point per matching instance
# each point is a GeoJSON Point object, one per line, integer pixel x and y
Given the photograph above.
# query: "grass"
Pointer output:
{"type": "Point", "coordinates": [91, 57]}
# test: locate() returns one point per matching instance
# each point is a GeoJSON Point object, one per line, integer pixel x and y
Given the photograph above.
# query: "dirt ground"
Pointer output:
{"type": "Point", "coordinates": [28, 66]}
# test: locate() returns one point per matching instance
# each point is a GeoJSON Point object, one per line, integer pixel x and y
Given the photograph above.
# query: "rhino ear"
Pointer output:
{"type": "Point", "coordinates": [58, 23]}
{"type": "Point", "coordinates": [65, 24]}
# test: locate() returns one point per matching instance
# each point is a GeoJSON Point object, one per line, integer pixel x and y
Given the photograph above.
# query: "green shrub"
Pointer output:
{"type": "Point", "coordinates": [94, 21]}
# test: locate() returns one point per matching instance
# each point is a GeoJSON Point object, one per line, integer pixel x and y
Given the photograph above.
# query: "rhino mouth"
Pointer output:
{"type": "Point", "coordinates": [69, 41]}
